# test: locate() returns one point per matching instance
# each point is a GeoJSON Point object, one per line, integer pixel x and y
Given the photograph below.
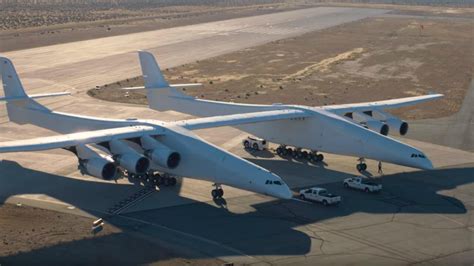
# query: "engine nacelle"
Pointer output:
{"type": "Point", "coordinates": [159, 153]}
{"type": "Point", "coordinates": [392, 121]}
{"type": "Point", "coordinates": [371, 123]}
{"type": "Point", "coordinates": [94, 164]}
{"type": "Point", "coordinates": [100, 167]}
{"type": "Point", "coordinates": [128, 158]}
{"type": "Point", "coordinates": [133, 162]}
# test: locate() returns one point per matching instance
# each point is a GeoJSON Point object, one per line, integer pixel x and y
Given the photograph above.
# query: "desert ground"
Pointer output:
{"type": "Point", "coordinates": [372, 59]}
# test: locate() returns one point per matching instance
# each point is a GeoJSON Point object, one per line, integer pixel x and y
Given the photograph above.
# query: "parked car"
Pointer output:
{"type": "Point", "coordinates": [319, 195]}
{"type": "Point", "coordinates": [255, 143]}
{"type": "Point", "coordinates": [362, 184]}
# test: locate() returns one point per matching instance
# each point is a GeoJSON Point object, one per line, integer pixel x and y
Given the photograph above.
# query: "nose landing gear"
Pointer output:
{"type": "Point", "coordinates": [218, 192]}
{"type": "Point", "coordinates": [361, 166]}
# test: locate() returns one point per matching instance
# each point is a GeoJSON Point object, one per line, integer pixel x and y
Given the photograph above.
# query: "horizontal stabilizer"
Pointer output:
{"type": "Point", "coordinates": [34, 96]}
{"type": "Point", "coordinates": [176, 86]}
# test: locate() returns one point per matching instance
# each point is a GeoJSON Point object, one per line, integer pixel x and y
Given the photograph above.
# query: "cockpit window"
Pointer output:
{"type": "Point", "coordinates": [276, 182]}
{"type": "Point", "coordinates": [414, 155]}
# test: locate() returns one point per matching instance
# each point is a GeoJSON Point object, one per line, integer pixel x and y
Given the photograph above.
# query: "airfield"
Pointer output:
{"type": "Point", "coordinates": [421, 217]}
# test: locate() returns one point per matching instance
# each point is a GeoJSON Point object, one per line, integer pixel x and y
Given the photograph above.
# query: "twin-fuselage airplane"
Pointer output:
{"type": "Point", "coordinates": [141, 147]}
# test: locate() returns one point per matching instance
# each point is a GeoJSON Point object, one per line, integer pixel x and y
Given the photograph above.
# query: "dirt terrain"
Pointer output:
{"type": "Point", "coordinates": [29, 235]}
{"type": "Point", "coordinates": [373, 59]}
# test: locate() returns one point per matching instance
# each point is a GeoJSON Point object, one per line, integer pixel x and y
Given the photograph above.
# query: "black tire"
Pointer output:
{"type": "Point", "coordinates": [294, 154]}
{"type": "Point", "coordinates": [367, 190]}
{"type": "Point", "coordinates": [220, 192]}
{"type": "Point", "coordinates": [255, 146]}
{"type": "Point", "coordinates": [359, 167]}
{"type": "Point", "coordinates": [173, 181]}
{"type": "Point", "coordinates": [364, 167]}
{"type": "Point", "coordinates": [289, 152]}
{"type": "Point", "coordinates": [305, 155]}
{"type": "Point", "coordinates": [166, 182]}
{"type": "Point", "coordinates": [346, 185]}
{"type": "Point", "coordinates": [279, 151]}
{"type": "Point", "coordinates": [325, 202]}
{"type": "Point", "coordinates": [214, 194]}
{"type": "Point", "coordinates": [246, 144]}
{"type": "Point", "coordinates": [320, 157]}
{"type": "Point", "coordinates": [302, 197]}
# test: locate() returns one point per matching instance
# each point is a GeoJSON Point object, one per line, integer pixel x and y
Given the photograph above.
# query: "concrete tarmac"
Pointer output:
{"type": "Point", "coordinates": [456, 131]}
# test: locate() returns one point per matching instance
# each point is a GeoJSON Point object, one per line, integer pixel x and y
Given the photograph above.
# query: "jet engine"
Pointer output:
{"type": "Point", "coordinates": [100, 167]}
{"type": "Point", "coordinates": [370, 123]}
{"type": "Point", "coordinates": [160, 153]}
{"type": "Point", "coordinates": [95, 164]}
{"type": "Point", "coordinates": [392, 121]}
{"type": "Point", "coordinates": [127, 157]}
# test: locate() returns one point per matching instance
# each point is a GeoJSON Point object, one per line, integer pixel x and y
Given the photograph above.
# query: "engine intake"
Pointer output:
{"type": "Point", "coordinates": [160, 153]}
{"type": "Point", "coordinates": [95, 164]}
{"type": "Point", "coordinates": [100, 168]}
{"type": "Point", "coordinates": [371, 123]}
{"type": "Point", "coordinates": [133, 162]}
{"type": "Point", "coordinates": [128, 158]}
{"type": "Point", "coordinates": [392, 121]}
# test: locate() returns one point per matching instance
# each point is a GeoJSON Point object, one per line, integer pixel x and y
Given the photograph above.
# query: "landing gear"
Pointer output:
{"type": "Point", "coordinates": [166, 180]}
{"type": "Point", "coordinates": [299, 154]}
{"type": "Point", "coordinates": [218, 192]}
{"type": "Point", "coordinates": [316, 157]}
{"type": "Point", "coordinates": [361, 166]}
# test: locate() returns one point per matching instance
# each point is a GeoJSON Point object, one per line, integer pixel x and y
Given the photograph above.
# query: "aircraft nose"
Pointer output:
{"type": "Point", "coordinates": [283, 193]}
{"type": "Point", "coordinates": [427, 164]}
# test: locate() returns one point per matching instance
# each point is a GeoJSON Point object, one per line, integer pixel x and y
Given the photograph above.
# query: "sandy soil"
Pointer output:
{"type": "Point", "coordinates": [373, 59]}
{"type": "Point", "coordinates": [31, 235]}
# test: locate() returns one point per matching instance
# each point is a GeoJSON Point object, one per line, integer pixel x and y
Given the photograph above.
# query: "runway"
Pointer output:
{"type": "Point", "coordinates": [455, 131]}
{"type": "Point", "coordinates": [421, 216]}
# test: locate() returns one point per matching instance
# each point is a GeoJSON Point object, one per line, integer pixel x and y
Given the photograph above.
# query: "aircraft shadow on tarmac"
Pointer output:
{"type": "Point", "coordinates": [266, 228]}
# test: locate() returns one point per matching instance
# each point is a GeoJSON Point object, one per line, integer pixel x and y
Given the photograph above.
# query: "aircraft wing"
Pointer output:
{"type": "Point", "coordinates": [69, 140]}
{"type": "Point", "coordinates": [380, 105]}
{"type": "Point", "coordinates": [239, 119]}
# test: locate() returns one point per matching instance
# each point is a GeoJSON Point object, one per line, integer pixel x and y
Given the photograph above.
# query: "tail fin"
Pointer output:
{"type": "Point", "coordinates": [11, 83]}
{"type": "Point", "coordinates": [151, 71]}
{"type": "Point", "coordinates": [159, 93]}
{"type": "Point", "coordinates": [19, 104]}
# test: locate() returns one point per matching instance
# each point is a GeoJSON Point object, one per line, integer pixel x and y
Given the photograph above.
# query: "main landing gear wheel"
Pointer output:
{"type": "Point", "coordinates": [316, 157]}
{"type": "Point", "coordinates": [279, 151]}
{"type": "Point", "coordinates": [218, 192]}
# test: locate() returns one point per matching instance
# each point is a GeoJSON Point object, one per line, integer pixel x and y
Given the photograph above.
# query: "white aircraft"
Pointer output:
{"type": "Point", "coordinates": [136, 145]}
{"type": "Point", "coordinates": [350, 129]}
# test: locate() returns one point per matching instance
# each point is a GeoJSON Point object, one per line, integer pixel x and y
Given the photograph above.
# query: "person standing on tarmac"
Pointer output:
{"type": "Point", "coordinates": [380, 168]}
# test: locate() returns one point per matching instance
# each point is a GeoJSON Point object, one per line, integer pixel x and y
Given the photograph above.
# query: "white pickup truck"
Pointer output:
{"type": "Point", "coordinates": [361, 184]}
{"type": "Point", "coordinates": [320, 195]}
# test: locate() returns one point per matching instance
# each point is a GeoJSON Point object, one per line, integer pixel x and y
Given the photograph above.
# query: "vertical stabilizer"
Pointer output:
{"type": "Point", "coordinates": [151, 71]}
{"type": "Point", "coordinates": [20, 107]}
{"type": "Point", "coordinates": [11, 83]}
